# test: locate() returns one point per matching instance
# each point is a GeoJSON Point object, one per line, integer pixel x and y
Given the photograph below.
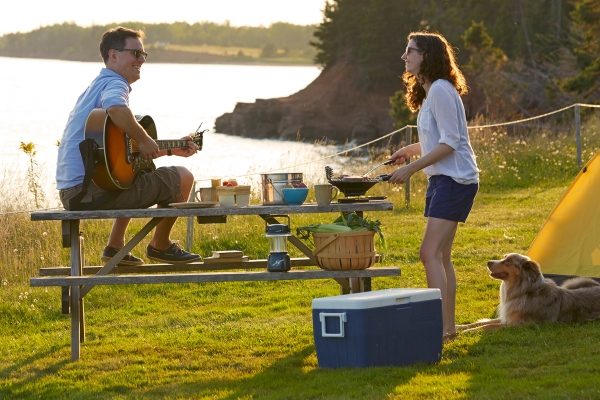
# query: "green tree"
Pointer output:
{"type": "Point", "coordinates": [586, 27]}
{"type": "Point", "coordinates": [72, 42]}
{"type": "Point", "coordinates": [269, 51]}
{"type": "Point", "coordinates": [400, 112]}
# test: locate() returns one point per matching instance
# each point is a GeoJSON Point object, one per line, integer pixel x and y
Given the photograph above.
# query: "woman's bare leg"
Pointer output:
{"type": "Point", "coordinates": [435, 254]}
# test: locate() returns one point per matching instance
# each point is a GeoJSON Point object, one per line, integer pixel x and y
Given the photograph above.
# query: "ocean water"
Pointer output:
{"type": "Point", "coordinates": [37, 96]}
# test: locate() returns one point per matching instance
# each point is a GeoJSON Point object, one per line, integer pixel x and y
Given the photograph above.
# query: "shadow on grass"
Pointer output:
{"type": "Point", "coordinates": [535, 361]}
{"type": "Point", "coordinates": [293, 377]}
{"type": "Point", "coordinates": [29, 373]}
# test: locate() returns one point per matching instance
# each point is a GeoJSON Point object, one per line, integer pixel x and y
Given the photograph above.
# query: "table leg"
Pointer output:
{"type": "Point", "coordinates": [189, 237]}
{"type": "Point", "coordinates": [344, 285]}
{"type": "Point", "coordinates": [75, 303]}
{"type": "Point", "coordinates": [66, 299]}
{"type": "Point", "coordinates": [360, 285]}
{"type": "Point", "coordinates": [81, 308]}
{"type": "Point", "coordinates": [66, 243]}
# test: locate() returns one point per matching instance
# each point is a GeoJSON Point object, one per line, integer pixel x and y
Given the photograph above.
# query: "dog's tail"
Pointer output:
{"type": "Point", "coordinates": [578, 283]}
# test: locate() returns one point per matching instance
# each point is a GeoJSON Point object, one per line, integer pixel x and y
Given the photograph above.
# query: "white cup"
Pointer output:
{"type": "Point", "coordinates": [325, 193]}
{"type": "Point", "coordinates": [207, 194]}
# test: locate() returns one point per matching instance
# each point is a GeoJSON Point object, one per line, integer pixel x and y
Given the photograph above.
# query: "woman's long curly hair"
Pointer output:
{"type": "Point", "coordinates": [439, 62]}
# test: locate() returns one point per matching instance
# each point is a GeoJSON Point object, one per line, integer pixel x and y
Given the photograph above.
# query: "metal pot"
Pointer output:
{"type": "Point", "coordinates": [272, 185]}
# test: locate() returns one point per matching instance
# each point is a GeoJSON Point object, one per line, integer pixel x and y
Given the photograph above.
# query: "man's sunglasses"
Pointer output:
{"type": "Point", "coordinates": [136, 53]}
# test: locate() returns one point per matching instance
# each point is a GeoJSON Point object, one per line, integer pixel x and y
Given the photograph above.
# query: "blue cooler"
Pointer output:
{"type": "Point", "coordinates": [379, 328]}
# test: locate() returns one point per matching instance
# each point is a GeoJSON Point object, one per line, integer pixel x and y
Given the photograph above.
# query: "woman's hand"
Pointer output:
{"type": "Point", "coordinates": [399, 157]}
{"type": "Point", "coordinates": [402, 155]}
{"type": "Point", "coordinates": [402, 174]}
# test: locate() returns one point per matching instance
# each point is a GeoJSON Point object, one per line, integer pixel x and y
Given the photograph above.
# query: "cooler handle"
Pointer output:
{"type": "Point", "coordinates": [341, 316]}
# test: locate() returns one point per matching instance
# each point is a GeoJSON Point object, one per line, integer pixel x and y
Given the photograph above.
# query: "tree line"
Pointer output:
{"type": "Point", "coordinates": [69, 41]}
{"type": "Point", "coordinates": [525, 55]}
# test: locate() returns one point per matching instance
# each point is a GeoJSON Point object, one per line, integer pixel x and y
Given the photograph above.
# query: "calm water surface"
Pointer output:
{"type": "Point", "coordinates": [37, 96]}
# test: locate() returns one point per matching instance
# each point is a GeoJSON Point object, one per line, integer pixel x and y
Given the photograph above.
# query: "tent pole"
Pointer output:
{"type": "Point", "coordinates": [578, 134]}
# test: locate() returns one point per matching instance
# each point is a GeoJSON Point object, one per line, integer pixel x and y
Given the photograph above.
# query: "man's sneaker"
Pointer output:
{"type": "Point", "coordinates": [109, 252]}
{"type": "Point", "coordinates": [173, 255]}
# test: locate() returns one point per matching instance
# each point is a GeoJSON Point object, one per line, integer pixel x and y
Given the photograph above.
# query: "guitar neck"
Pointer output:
{"type": "Point", "coordinates": [171, 144]}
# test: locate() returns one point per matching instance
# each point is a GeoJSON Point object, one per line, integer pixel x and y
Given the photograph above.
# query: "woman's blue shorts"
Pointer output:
{"type": "Point", "coordinates": [448, 199]}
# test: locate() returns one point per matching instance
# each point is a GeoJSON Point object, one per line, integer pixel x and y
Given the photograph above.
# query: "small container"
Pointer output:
{"type": "Point", "coordinates": [294, 196]}
{"type": "Point", "coordinates": [234, 196]}
{"type": "Point", "coordinates": [272, 184]}
{"type": "Point", "coordinates": [207, 194]}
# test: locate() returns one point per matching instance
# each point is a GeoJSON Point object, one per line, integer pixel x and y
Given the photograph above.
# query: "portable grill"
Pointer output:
{"type": "Point", "coordinates": [351, 187]}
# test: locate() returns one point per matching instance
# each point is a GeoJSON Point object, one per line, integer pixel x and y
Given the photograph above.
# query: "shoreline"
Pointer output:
{"type": "Point", "coordinates": [201, 62]}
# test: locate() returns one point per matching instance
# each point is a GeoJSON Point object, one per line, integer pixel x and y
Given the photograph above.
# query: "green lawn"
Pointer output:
{"type": "Point", "coordinates": [254, 340]}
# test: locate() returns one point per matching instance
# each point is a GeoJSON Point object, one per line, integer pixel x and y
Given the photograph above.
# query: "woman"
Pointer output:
{"type": "Point", "coordinates": [434, 85]}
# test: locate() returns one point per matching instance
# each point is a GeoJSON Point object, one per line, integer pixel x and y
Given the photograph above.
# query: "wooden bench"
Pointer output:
{"type": "Point", "coordinates": [78, 279]}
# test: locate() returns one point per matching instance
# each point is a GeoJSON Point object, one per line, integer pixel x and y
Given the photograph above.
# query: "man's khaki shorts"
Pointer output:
{"type": "Point", "coordinates": [161, 186]}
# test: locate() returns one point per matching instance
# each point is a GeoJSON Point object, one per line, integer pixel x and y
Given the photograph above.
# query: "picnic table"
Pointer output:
{"type": "Point", "coordinates": [78, 279]}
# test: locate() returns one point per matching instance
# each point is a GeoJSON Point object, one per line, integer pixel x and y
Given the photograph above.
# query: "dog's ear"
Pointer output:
{"type": "Point", "coordinates": [531, 269]}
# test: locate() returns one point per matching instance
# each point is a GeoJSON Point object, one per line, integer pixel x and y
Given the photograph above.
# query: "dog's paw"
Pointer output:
{"type": "Point", "coordinates": [460, 328]}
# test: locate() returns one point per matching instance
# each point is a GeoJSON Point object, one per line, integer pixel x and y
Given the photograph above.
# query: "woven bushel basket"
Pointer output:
{"type": "Point", "coordinates": [345, 251]}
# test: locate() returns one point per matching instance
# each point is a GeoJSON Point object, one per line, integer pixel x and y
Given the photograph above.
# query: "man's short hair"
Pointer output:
{"type": "Point", "coordinates": [115, 39]}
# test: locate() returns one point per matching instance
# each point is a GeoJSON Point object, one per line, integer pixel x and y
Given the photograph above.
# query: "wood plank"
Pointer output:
{"type": "Point", "coordinates": [66, 234]}
{"type": "Point", "coordinates": [227, 254]}
{"type": "Point", "coordinates": [157, 268]}
{"type": "Point", "coordinates": [212, 277]}
{"type": "Point", "coordinates": [212, 260]}
{"type": "Point", "coordinates": [217, 219]}
{"type": "Point", "coordinates": [307, 208]}
{"type": "Point", "coordinates": [75, 291]}
{"type": "Point", "coordinates": [66, 299]}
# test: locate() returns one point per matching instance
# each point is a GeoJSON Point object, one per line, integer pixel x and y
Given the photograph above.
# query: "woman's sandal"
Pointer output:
{"type": "Point", "coordinates": [447, 338]}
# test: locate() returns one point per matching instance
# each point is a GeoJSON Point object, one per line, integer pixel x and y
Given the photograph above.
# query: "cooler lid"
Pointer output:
{"type": "Point", "coordinates": [377, 298]}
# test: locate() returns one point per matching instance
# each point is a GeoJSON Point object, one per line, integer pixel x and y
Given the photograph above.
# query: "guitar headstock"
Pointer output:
{"type": "Point", "coordinates": [198, 137]}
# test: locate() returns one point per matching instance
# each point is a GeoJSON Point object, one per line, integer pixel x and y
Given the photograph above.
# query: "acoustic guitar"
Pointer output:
{"type": "Point", "coordinates": [118, 163]}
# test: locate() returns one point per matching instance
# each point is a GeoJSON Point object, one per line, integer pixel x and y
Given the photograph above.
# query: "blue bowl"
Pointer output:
{"type": "Point", "coordinates": [294, 196]}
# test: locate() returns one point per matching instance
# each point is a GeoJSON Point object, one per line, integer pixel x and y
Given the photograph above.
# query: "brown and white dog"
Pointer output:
{"type": "Point", "coordinates": [526, 297]}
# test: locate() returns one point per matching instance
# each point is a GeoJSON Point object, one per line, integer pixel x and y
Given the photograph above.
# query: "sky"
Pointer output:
{"type": "Point", "coordinates": [27, 15]}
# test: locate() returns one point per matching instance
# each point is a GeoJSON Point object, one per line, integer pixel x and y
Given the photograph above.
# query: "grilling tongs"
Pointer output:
{"type": "Point", "coordinates": [388, 162]}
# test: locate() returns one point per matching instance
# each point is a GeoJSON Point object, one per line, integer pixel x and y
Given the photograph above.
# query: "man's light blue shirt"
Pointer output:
{"type": "Point", "coordinates": [107, 90]}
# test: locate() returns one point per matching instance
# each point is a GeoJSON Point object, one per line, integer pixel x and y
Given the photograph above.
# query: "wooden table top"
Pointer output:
{"type": "Point", "coordinates": [307, 208]}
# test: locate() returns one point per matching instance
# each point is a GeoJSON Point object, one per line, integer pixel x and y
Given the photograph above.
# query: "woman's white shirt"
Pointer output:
{"type": "Point", "coordinates": [442, 119]}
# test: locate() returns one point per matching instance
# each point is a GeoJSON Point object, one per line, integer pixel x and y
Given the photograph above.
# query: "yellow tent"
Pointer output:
{"type": "Point", "coordinates": [569, 242]}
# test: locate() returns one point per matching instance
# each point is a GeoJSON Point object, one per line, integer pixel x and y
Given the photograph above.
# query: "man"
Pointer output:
{"type": "Point", "coordinates": [123, 53]}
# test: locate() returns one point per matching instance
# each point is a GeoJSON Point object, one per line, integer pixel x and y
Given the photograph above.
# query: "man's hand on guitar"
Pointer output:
{"type": "Point", "coordinates": [186, 151]}
{"type": "Point", "coordinates": [148, 148]}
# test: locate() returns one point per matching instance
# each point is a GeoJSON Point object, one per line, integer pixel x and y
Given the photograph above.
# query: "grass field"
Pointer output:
{"type": "Point", "coordinates": [237, 54]}
{"type": "Point", "coordinates": [217, 50]}
{"type": "Point", "coordinates": [254, 340]}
